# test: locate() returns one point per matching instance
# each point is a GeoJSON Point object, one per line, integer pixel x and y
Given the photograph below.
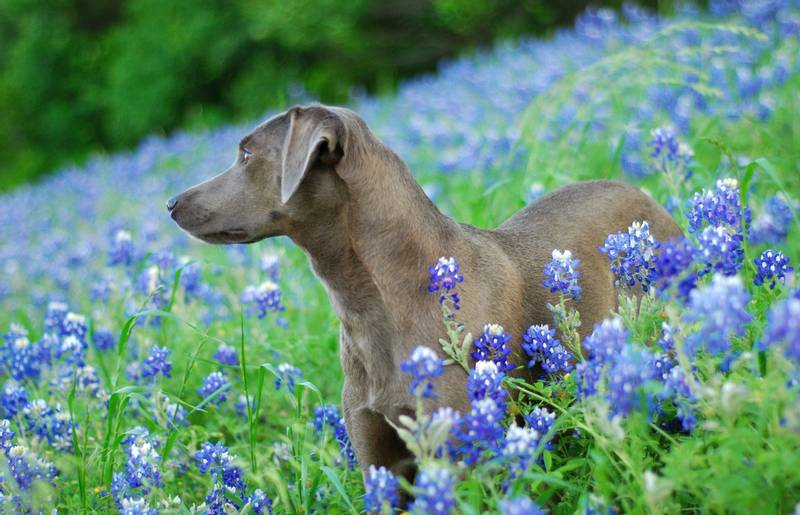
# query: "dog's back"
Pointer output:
{"type": "Point", "coordinates": [578, 217]}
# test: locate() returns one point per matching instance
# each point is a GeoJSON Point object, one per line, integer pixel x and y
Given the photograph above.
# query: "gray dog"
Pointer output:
{"type": "Point", "coordinates": [318, 175]}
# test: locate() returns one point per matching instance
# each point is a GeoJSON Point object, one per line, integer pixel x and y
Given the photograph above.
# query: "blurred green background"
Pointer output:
{"type": "Point", "coordinates": [81, 76]}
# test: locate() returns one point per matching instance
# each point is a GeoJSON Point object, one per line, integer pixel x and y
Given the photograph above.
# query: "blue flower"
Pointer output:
{"type": "Point", "coordinates": [721, 310]}
{"type": "Point", "coordinates": [541, 420]}
{"type": "Point", "coordinates": [519, 506]}
{"type": "Point", "coordinates": [720, 207]}
{"type": "Point", "coordinates": [6, 435]}
{"type": "Point", "coordinates": [771, 266]}
{"type": "Point", "coordinates": [13, 399]}
{"type": "Point", "coordinates": [614, 367]}
{"type": "Point", "coordinates": [121, 251]}
{"type": "Point", "coordinates": [287, 375]}
{"type": "Point", "coordinates": [74, 324]}
{"type": "Point", "coordinates": [157, 362]}
{"type": "Point", "coordinates": [54, 318]}
{"type": "Point", "coordinates": [191, 282]}
{"type": "Point", "coordinates": [143, 458]}
{"type": "Point", "coordinates": [481, 430]}
{"type": "Point", "coordinates": [26, 468]}
{"type": "Point", "coordinates": [423, 366]}
{"type": "Point", "coordinates": [783, 328]}
{"type": "Point", "coordinates": [326, 415]}
{"type": "Point", "coordinates": [263, 299]}
{"type": "Point", "coordinates": [46, 349]}
{"type": "Point", "coordinates": [728, 361]}
{"type": "Point", "coordinates": [104, 339]}
{"type": "Point", "coordinates": [562, 274]}
{"type": "Point", "coordinates": [660, 367]}
{"type": "Point", "coordinates": [48, 424]}
{"type": "Point", "coordinates": [667, 340]}
{"type": "Point", "coordinates": [213, 383]}
{"type": "Point", "coordinates": [626, 375]}
{"type": "Point", "coordinates": [134, 371]}
{"type": "Point", "coordinates": [632, 255]}
{"type": "Point", "coordinates": [216, 501]}
{"type": "Point", "coordinates": [226, 355]}
{"type": "Point", "coordinates": [72, 349]}
{"type": "Point", "coordinates": [492, 345]}
{"type": "Point", "coordinates": [676, 387]}
{"type": "Point", "coordinates": [381, 490]}
{"type": "Point", "coordinates": [215, 460]}
{"type": "Point", "coordinates": [664, 143]}
{"type": "Point", "coordinates": [444, 278]}
{"type": "Point", "coordinates": [721, 249]}
{"type": "Point", "coordinates": [164, 260]}
{"type": "Point", "coordinates": [772, 226]}
{"type": "Point", "coordinates": [667, 151]}
{"type": "Point", "coordinates": [434, 491]}
{"type": "Point", "coordinates": [84, 378]}
{"type": "Point", "coordinates": [486, 381]}
{"type": "Point", "coordinates": [607, 340]}
{"type": "Point", "coordinates": [676, 257]}
{"type": "Point", "coordinates": [540, 343]}
{"type": "Point", "coordinates": [100, 290]}
{"type": "Point", "coordinates": [130, 506]}
{"type": "Point", "coordinates": [141, 473]}
{"type": "Point", "coordinates": [537, 342]}
{"type": "Point", "coordinates": [260, 503]}
{"type": "Point", "coordinates": [521, 444]}
{"type": "Point", "coordinates": [20, 358]}
{"type": "Point", "coordinates": [559, 359]}
{"type": "Point", "coordinates": [15, 332]}
{"type": "Point", "coordinates": [72, 343]}
{"type": "Point", "coordinates": [588, 374]}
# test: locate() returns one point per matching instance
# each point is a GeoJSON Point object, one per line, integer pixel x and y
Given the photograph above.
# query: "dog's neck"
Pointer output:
{"type": "Point", "coordinates": [395, 229]}
{"type": "Point", "coordinates": [373, 254]}
{"type": "Point", "coordinates": [388, 229]}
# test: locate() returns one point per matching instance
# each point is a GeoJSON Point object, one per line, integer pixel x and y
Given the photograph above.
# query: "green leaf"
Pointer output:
{"type": "Point", "coordinates": [334, 479]}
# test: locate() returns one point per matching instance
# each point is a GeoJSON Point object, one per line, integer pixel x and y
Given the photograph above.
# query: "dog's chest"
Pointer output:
{"type": "Point", "coordinates": [356, 336]}
{"type": "Point", "coordinates": [368, 356]}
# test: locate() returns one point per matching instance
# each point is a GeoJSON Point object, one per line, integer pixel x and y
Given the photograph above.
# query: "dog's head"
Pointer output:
{"type": "Point", "coordinates": [284, 174]}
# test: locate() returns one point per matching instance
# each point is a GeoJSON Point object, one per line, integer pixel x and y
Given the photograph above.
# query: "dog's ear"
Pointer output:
{"type": "Point", "coordinates": [315, 135]}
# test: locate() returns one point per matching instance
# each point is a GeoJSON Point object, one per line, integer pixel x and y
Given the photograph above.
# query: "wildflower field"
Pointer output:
{"type": "Point", "coordinates": [144, 372]}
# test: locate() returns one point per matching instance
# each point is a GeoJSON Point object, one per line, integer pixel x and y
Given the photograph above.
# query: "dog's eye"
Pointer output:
{"type": "Point", "coordinates": [246, 155]}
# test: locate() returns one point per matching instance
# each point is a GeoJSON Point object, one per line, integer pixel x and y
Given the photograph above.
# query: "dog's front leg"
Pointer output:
{"type": "Point", "coordinates": [374, 440]}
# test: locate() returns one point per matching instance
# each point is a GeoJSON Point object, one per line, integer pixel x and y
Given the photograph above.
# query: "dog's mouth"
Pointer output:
{"type": "Point", "coordinates": [227, 237]}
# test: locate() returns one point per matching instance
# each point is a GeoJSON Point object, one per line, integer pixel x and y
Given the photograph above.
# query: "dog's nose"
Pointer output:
{"type": "Point", "coordinates": [171, 203]}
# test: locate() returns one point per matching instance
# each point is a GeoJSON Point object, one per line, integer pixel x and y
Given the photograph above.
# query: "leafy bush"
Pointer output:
{"type": "Point", "coordinates": [78, 77]}
{"type": "Point", "coordinates": [201, 376]}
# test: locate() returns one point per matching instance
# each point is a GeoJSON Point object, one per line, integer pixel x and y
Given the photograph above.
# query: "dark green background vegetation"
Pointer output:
{"type": "Point", "coordinates": [79, 76]}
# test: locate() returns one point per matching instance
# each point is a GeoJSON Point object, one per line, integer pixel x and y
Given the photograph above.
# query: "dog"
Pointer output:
{"type": "Point", "coordinates": [318, 175]}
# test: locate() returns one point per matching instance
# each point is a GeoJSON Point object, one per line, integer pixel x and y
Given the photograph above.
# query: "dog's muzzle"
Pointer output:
{"type": "Point", "coordinates": [171, 203]}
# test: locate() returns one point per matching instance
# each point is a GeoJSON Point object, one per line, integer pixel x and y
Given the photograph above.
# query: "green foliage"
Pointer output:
{"type": "Point", "coordinates": [80, 76]}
